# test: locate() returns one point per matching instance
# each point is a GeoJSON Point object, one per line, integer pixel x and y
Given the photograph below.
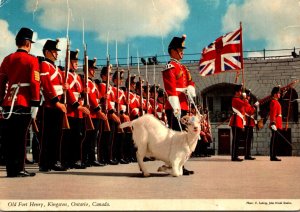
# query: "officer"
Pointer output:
{"type": "Point", "coordinates": [178, 83]}
{"type": "Point", "coordinates": [53, 110]}
{"type": "Point", "coordinates": [20, 78]}
{"type": "Point", "coordinates": [275, 123]}
{"type": "Point", "coordinates": [237, 121]}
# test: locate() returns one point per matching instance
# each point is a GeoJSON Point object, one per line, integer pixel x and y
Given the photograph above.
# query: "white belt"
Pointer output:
{"type": "Point", "coordinates": [112, 104]}
{"type": "Point", "coordinates": [20, 85]}
{"type": "Point", "coordinates": [159, 114]}
{"type": "Point", "coordinates": [238, 113]}
{"type": "Point", "coordinates": [123, 107]}
{"type": "Point", "coordinates": [77, 95]}
{"type": "Point", "coordinates": [183, 90]}
{"type": "Point", "coordinates": [59, 89]}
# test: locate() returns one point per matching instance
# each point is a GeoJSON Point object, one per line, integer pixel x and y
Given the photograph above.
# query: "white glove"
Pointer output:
{"type": "Point", "coordinates": [177, 113]}
{"type": "Point", "coordinates": [244, 95]}
{"type": "Point", "coordinates": [174, 102]}
{"type": "Point", "coordinates": [256, 103]}
{"type": "Point", "coordinates": [273, 127]}
{"type": "Point", "coordinates": [191, 90]}
{"type": "Point", "coordinates": [34, 111]}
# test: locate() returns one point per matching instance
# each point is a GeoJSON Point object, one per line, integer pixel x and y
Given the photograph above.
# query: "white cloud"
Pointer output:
{"type": "Point", "coordinates": [7, 44]}
{"type": "Point", "coordinates": [276, 22]}
{"type": "Point", "coordinates": [123, 19]}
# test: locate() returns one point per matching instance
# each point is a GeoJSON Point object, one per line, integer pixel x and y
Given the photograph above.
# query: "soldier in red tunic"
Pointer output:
{"type": "Point", "coordinates": [275, 122]}
{"type": "Point", "coordinates": [52, 82]}
{"type": "Point", "coordinates": [178, 83]}
{"type": "Point", "coordinates": [120, 103]}
{"type": "Point", "coordinates": [90, 141]}
{"type": "Point", "coordinates": [250, 123]}
{"type": "Point", "coordinates": [73, 137]}
{"type": "Point", "coordinates": [20, 99]}
{"type": "Point", "coordinates": [237, 121]}
{"type": "Point", "coordinates": [106, 140]}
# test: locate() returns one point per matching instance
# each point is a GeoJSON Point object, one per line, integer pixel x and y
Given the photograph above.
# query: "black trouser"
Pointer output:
{"type": "Point", "coordinates": [274, 143]}
{"type": "Point", "coordinates": [15, 131]}
{"type": "Point", "coordinates": [73, 141]}
{"type": "Point", "coordinates": [248, 140]}
{"type": "Point", "coordinates": [173, 121]}
{"type": "Point", "coordinates": [51, 135]}
{"type": "Point", "coordinates": [89, 144]}
{"type": "Point", "coordinates": [237, 134]}
{"type": "Point", "coordinates": [106, 142]}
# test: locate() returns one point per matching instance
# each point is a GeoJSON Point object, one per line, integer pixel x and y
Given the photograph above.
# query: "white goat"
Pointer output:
{"type": "Point", "coordinates": [153, 139]}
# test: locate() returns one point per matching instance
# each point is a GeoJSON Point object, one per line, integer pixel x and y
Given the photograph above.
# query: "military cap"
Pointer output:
{"type": "Point", "coordinates": [24, 34]}
{"type": "Point", "coordinates": [51, 45]}
{"type": "Point", "coordinates": [121, 75]}
{"type": "Point", "coordinates": [138, 84]}
{"type": "Point", "coordinates": [132, 78]}
{"type": "Point", "coordinates": [177, 43]}
{"type": "Point", "coordinates": [152, 89]}
{"type": "Point", "coordinates": [275, 90]}
{"type": "Point", "coordinates": [104, 70]}
{"type": "Point", "coordinates": [74, 54]}
{"type": "Point", "coordinates": [248, 92]}
{"type": "Point", "coordinates": [160, 92]}
{"type": "Point", "coordinates": [238, 87]}
{"type": "Point", "coordinates": [92, 63]}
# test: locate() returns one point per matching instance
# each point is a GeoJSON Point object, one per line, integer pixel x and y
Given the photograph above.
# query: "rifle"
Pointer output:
{"type": "Point", "coordinates": [65, 121]}
{"type": "Point", "coordinates": [120, 130]}
{"type": "Point", "coordinates": [140, 88]}
{"type": "Point", "coordinates": [106, 123]}
{"type": "Point", "coordinates": [88, 121]}
{"type": "Point", "coordinates": [154, 98]}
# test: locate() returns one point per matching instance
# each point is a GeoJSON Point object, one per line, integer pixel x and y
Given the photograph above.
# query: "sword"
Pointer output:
{"type": "Point", "coordinates": [284, 138]}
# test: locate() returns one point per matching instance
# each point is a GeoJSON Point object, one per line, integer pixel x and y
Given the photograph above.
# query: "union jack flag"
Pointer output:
{"type": "Point", "coordinates": [224, 54]}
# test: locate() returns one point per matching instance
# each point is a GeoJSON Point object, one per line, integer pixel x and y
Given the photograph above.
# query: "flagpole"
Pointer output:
{"type": "Point", "coordinates": [242, 58]}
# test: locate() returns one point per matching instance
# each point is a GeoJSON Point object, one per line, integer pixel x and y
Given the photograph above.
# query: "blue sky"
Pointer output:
{"type": "Point", "coordinates": [147, 26]}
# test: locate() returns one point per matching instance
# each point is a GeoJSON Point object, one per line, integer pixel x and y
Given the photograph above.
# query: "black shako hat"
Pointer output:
{"type": "Point", "coordinates": [275, 90]}
{"type": "Point", "coordinates": [177, 43]}
{"type": "Point", "coordinates": [25, 34]}
{"type": "Point", "coordinates": [121, 75]}
{"type": "Point", "coordinates": [238, 87]}
{"type": "Point", "coordinates": [51, 45]}
{"type": "Point", "coordinates": [104, 71]}
{"type": "Point", "coordinates": [74, 54]}
{"type": "Point", "coordinates": [92, 63]}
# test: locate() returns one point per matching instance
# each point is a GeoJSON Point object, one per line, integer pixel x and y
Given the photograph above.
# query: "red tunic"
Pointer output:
{"type": "Point", "coordinates": [249, 114]}
{"type": "Point", "coordinates": [176, 78]}
{"type": "Point", "coordinates": [121, 101]}
{"type": "Point", "coordinates": [275, 113]}
{"type": "Point", "coordinates": [74, 97]}
{"type": "Point", "coordinates": [51, 82]}
{"type": "Point", "coordinates": [110, 96]}
{"type": "Point", "coordinates": [134, 104]}
{"type": "Point", "coordinates": [238, 117]}
{"type": "Point", "coordinates": [23, 69]}
{"type": "Point", "coordinates": [94, 97]}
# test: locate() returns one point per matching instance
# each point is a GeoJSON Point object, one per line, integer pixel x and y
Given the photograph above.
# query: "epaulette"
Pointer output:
{"type": "Point", "coordinates": [169, 66]}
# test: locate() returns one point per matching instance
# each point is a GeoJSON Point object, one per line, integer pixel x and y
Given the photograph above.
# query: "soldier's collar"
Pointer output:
{"type": "Point", "coordinates": [173, 59]}
{"type": "Point", "coordinates": [50, 61]}
{"type": "Point", "coordinates": [22, 50]}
